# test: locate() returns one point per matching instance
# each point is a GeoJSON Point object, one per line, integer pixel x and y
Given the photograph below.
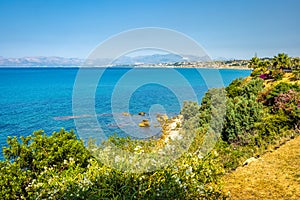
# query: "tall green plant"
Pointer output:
{"type": "Point", "coordinates": [282, 60]}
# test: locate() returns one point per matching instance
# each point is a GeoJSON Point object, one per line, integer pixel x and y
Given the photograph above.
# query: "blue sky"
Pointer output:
{"type": "Point", "coordinates": [225, 28]}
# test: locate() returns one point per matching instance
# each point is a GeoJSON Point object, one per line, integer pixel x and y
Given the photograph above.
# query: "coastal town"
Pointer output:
{"type": "Point", "coordinates": [231, 64]}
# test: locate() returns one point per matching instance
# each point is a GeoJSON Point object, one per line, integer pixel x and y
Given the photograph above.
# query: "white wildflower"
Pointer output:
{"type": "Point", "coordinates": [137, 148]}
{"type": "Point", "coordinates": [117, 159]}
{"type": "Point", "coordinates": [200, 156]}
{"type": "Point", "coordinates": [189, 170]}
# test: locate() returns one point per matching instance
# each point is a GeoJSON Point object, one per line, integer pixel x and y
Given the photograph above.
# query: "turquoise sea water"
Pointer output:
{"type": "Point", "coordinates": [41, 98]}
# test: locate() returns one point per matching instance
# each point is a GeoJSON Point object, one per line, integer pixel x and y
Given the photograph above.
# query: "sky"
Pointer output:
{"type": "Point", "coordinates": [224, 28]}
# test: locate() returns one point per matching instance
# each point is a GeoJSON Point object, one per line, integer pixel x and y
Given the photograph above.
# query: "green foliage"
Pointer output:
{"type": "Point", "coordinates": [233, 156]}
{"type": "Point", "coordinates": [260, 66]}
{"type": "Point", "coordinates": [272, 127]}
{"type": "Point", "coordinates": [237, 88]}
{"type": "Point", "coordinates": [288, 104]}
{"type": "Point", "coordinates": [13, 181]}
{"type": "Point", "coordinates": [254, 62]}
{"type": "Point", "coordinates": [243, 111]}
{"type": "Point", "coordinates": [276, 74]}
{"type": "Point", "coordinates": [282, 60]}
{"type": "Point", "coordinates": [38, 151]}
{"type": "Point", "coordinates": [241, 116]}
{"type": "Point", "coordinates": [257, 72]}
{"type": "Point", "coordinates": [296, 73]}
{"type": "Point", "coordinates": [234, 88]}
{"type": "Point", "coordinates": [28, 158]}
{"type": "Point", "coordinates": [189, 109]}
{"type": "Point", "coordinates": [59, 167]}
{"type": "Point", "coordinates": [252, 88]}
{"type": "Point", "coordinates": [280, 88]}
{"type": "Point", "coordinates": [296, 68]}
{"type": "Point", "coordinates": [207, 124]}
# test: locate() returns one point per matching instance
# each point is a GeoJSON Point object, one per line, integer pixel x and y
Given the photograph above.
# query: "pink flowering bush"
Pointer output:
{"type": "Point", "coordinates": [289, 104]}
{"type": "Point", "coordinates": [287, 101]}
{"type": "Point", "coordinates": [264, 76]}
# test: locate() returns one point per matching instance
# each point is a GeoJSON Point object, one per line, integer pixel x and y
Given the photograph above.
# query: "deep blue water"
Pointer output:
{"type": "Point", "coordinates": [41, 98]}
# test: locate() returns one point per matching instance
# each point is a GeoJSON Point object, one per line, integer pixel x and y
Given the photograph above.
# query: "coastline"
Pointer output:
{"type": "Point", "coordinates": [128, 67]}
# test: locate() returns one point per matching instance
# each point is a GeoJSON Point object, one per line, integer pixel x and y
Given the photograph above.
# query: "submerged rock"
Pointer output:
{"type": "Point", "coordinates": [144, 123]}
{"type": "Point", "coordinates": [142, 113]}
{"type": "Point", "coordinates": [126, 114]}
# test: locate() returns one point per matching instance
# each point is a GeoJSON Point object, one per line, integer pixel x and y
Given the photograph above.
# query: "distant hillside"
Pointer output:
{"type": "Point", "coordinates": [159, 58]}
{"type": "Point", "coordinates": [124, 60]}
{"type": "Point", "coordinates": [40, 61]}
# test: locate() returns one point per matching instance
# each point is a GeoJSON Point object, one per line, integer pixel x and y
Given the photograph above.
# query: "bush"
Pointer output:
{"type": "Point", "coordinates": [234, 88]}
{"type": "Point", "coordinates": [238, 88]}
{"type": "Point", "coordinates": [277, 74]}
{"type": "Point", "coordinates": [272, 127]}
{"type": "Point", "coordinates": [28, 158]}
{"type": "Point", "coordinates": [280, 88]}
{"type": "Point", "coordinates": [288, 104]}
{"type": "Point", "coordinates": [241, 116]}
{"type": "Point", "coordinates": [59, 167]}
{"type": "Point", "coordinates": [243, 111]}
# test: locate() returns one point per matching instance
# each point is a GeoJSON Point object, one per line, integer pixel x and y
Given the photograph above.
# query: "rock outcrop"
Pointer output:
{"type": "Point", "coordinates": [126, 114]}
{"type": "Point", "coordinates": [144, 123]}
{"type": "Point", "coordinates": [142, 113]}
{"type": "Point", "coordinates": [162, 118]}
{"type": "Point", "coordinates": [248, 161]}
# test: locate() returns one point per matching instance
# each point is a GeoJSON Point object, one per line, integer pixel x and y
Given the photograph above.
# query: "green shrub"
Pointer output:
{"type": "Point", "coordinates": [272, 126]}
{"type": "Point", "coordinates": [189, 109]}
{"type": "Point", "coordinates": [276, 74]}
{"type": "Point", "coordinates": [280, 88]}
{"type": "Point", "coordinates": [234, 88]}
{"type": "Point", "coordinates": [28, 158]}
{"type": "Point", "coordinates": [59, 167]}
{"type": "Point", "coordinates": [238, 88]}
{"type": "Point", "coordinates": [241, 116]}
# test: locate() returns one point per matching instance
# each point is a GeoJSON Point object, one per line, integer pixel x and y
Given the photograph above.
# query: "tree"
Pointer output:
{"type": "Point", "coordinates": [264, 64]}
{"type": "Point", "coordinates": [241, 115]}
{"type": "Point", "coordinates": [296, 62]}
{"type": "Point", "coordinates": [282, 60]}
{"type": "Point", "coordinates": [254, 62]}
{"type": "Point", "coordinates": [243, 111]}
{"type": "Point", "coordinates": [296, 68]}
{"type": "Point", "coordinates": [260, 66]}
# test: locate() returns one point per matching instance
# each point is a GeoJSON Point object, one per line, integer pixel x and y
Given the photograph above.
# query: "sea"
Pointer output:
{"type": "Point", "coordinates": [103, 101]}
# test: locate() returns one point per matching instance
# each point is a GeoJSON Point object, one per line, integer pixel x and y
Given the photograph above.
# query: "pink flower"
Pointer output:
{"type": "Point", "coordinates": [263, 76]}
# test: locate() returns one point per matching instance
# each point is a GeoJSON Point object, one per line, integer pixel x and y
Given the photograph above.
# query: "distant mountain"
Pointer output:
{"type": "Point", "coordinates": [159, 58]}
{"type": "Point", "coordinates": [223, 59]}
{"type": "Point", "coordinates": [124, 60]}
{"type": "Point", "coordinates": [40, 61]}
{"type": "Point", "coordinates": [148, 59]}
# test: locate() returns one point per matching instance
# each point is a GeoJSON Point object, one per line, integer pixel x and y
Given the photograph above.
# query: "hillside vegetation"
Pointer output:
{"type": "Point", "coordinates": [262, 112]}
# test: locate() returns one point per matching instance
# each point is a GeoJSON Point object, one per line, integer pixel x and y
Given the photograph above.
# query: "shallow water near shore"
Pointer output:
{"type": "Point", "coordinates": [41, 98]}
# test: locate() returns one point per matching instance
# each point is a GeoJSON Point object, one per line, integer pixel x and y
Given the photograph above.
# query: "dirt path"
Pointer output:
{"type": "Point", "coordinates": [275, 176]}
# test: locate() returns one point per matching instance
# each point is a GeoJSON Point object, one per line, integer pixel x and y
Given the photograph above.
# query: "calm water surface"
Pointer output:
{"type": "Point", "coordinates": [41, 98]}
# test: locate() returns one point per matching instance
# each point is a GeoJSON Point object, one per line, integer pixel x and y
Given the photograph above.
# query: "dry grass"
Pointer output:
{"type": "Point", "coordinates": [275, 176]}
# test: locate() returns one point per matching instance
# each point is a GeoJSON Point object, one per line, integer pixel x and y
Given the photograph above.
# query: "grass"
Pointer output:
{"type": "Point", "coordinates": [275, 175]}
